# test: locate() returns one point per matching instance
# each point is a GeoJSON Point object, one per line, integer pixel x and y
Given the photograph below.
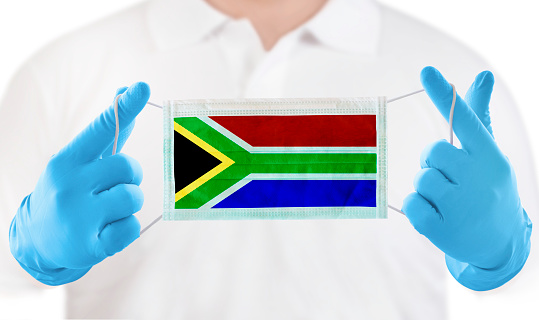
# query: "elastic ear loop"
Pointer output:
{"type": "Point", "coordinates": [451, 112]}
{"type": "Point", "coordinates": [117, 132]}
{"type": "Point", "coordinates": [117, 119]}
{"type": "Point", "coordinates": [115, 146]}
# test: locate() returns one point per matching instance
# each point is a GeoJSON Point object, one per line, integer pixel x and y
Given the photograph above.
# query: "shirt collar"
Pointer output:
{"type": "Point", "coordinates": [176, 23]}
{"type": "Point", "coordinates": [349, 25]}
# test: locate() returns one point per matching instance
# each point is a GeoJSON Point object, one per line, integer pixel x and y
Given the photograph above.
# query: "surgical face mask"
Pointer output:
{"type": "Point", "coordinates": [275, 159]}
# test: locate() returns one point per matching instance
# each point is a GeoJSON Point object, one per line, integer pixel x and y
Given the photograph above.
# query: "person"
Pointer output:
{"type": "Point", "coordinates": [236, 269]}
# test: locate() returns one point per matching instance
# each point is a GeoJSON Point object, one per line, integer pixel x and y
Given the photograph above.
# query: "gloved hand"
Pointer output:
{"type": "Point", "coordinates": [466, 201]}
{"type": "Point", "coordinates": [81, 210]}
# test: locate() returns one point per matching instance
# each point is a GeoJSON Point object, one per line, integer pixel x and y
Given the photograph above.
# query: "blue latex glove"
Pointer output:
{"type": "Point", "coordinates": [81, 210]}
{"type": "Point", "coordinates": [467, 202]}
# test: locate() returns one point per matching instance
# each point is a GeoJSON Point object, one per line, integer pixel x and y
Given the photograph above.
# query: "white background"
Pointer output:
{"type": "Point", "coordinates": [505, 33]}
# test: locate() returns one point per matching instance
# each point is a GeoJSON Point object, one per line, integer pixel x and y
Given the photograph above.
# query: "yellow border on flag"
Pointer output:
{"type": "Point", "coordinates": [225, 161]}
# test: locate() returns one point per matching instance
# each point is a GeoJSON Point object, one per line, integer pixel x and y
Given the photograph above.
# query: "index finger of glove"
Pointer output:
{"type": "Point", "coordinates": [119, 202]}
{"type": "Point", "coordinates": [422, 214]}
{"type": "Point", "coordinates": [443, 156]}
{"type": "Point", "coordinates": [111, 171]}
{"type": "Point", "coordinates": [468, 128]}
{"type": "Point", "coordinates": [432, 185]}
{"type": "Point", "coordinates": [116, 236]}
{"type": "Point", "coordinates": [96, 138]}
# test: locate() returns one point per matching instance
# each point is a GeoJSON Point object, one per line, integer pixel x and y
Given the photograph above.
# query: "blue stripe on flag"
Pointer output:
{"type": "Point", "coordinates": [302, 193]}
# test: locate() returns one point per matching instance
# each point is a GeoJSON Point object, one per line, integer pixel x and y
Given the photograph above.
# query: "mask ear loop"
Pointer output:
{"type": "Point", "coordinates": [115, 146]}
{"type": "Point", "coordinates": [451, 113]}
{"type": "Point", "coordinates": [116, 118]}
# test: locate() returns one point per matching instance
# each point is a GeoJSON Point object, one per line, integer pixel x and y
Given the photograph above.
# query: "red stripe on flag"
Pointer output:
{"type": "Point", "coordinates": [303, 131]}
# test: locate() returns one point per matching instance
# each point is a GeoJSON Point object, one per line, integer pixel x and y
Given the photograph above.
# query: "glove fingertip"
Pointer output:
{"type": "Point", "coordinates": [485, 78]}
{"type": "Point", "coordinates": [429, 74]}
{"type": "Point", "coordinates": [120, 91]}
{"type": "Point", "coordinates": [437, 88]}
{"type": "Point", "coordinates": [133, 100]}
{"type": "Point", "coordinates": [139, 92]}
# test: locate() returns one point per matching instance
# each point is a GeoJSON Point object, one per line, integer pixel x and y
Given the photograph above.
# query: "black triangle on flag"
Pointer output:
{"type": "Point", "coordinates": [190, 161]}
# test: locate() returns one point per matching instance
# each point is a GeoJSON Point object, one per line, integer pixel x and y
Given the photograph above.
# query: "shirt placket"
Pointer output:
{"type": "Point", "coordinates": [256, 73]}
{"type": "Point", "coordinates": [242, 51]}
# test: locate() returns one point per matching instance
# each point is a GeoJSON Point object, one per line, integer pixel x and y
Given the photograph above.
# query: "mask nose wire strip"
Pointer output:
{"type": "Point", "coordinates": [451, 113]}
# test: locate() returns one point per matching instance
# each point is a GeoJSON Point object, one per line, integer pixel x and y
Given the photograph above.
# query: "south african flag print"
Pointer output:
{"type": "Point", "coordinates": [275, 159]}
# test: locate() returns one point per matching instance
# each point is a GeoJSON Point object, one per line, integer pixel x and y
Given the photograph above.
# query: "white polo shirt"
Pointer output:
{"type": "Point", "coordinates": [330, 269]}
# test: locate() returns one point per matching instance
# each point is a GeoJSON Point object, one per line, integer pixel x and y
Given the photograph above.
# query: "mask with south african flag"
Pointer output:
{"type": "Point", "coordinates": [275, 159]}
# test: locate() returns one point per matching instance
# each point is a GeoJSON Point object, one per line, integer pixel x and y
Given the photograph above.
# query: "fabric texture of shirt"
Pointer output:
{"type": "Point", "coordinates": [320, 269]}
